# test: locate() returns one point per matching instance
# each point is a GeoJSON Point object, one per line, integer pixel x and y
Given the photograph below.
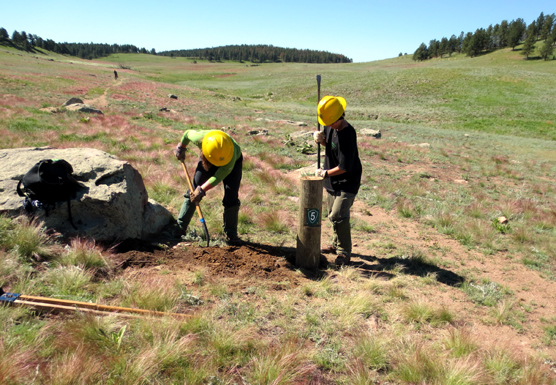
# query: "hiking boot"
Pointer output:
{"type": "Point", "coordinates": [342, 259]}
{"type": "Point", "coordinates": [329, 249]}
{"type": "Point", "coordinates": [234, 240]}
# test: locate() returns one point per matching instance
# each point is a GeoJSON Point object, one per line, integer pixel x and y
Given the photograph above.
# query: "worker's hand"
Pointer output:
{"type": "Point", "coordinates": [318, 136]}
{"type": "Point", "coordinates": [321, 173]}
{"type": "Point", "coordinates": [179, 152]}
{"type": "Point", "coordinates": [196, 196]}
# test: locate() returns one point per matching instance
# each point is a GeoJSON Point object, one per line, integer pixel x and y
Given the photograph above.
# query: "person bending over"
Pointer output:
{"type": "Point", "coordinates": [220, 160]}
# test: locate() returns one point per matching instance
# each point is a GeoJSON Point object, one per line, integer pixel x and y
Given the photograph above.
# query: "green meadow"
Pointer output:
{"type": "Point", "coordinates": [464, 142]}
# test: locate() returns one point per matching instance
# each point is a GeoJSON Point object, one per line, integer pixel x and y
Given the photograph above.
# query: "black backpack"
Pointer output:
{"type": "Point", "coordinates": [48, 182]}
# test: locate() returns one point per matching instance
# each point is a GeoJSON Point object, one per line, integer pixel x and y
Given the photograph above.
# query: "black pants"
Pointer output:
{"type": "Point", "coordinates": [231, 182]}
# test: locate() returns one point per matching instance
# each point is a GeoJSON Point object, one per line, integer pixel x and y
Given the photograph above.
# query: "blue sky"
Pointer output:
{"type": "Point", "coordinates": [361, 30]}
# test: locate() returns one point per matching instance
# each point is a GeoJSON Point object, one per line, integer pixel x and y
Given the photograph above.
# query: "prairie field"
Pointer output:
{"type": "Point", "coordinates": [439, 291]}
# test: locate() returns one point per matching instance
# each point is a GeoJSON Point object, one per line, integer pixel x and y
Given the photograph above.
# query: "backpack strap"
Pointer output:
{"type": "Point", "coordinates": [69, 215]}
{"type": "Point", "coordinates": [19, 192]}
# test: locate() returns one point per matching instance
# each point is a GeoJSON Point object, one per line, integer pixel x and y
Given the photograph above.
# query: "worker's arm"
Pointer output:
{"type": "Point", "coordinates": [335, 171]}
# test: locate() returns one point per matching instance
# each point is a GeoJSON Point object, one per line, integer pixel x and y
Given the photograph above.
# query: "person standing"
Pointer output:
{"type": "Point", "coordinates": [115, 75]}
{"type": "Point", "coordinates": [220, 160]}
{"type": "Point", "coordinates": [342, 172]}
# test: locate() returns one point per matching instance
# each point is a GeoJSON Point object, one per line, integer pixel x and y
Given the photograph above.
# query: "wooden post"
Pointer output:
{"type": "Point", "coordinates": [309, 223]}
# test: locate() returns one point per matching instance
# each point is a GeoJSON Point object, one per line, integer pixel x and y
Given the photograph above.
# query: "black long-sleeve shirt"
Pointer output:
{"type": "Point", "coordinates": [341, 150]}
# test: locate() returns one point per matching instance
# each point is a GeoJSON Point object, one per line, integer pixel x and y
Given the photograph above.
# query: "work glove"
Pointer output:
{"type": "Point", "coordinates": [179, 152]}
{"type": "Point", "coordinates": [321, 173]}
{"type": "Point", "coordinates": [318, 136]}
{"type": "Point", "coordinates": [196, 196]}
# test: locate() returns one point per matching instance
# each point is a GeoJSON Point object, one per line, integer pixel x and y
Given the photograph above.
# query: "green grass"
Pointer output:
{"type": "Point", "coordinates": [488, 122]}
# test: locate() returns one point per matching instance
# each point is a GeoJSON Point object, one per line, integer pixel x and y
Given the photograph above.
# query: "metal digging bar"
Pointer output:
{"type": "Point", "coordinates": [201, 218]}
{"type": "Point", "coordinates": [53, 304]}
{"type": "Point", "coordinates": [318, 122]}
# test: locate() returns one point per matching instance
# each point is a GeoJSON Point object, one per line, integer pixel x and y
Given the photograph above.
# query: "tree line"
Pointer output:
{"type": "Point", "coordinates": [259, 54]}
{"type": "Point", "coordinates": [503, 35]}
{"type": "Point", "coordinates": [252, 53]}
{"type": "Point", "coordinates": [30, 42]}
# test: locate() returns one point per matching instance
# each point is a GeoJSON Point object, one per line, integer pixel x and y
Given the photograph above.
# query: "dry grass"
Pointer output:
{"type": "Point", "coordinates": [345, 328]}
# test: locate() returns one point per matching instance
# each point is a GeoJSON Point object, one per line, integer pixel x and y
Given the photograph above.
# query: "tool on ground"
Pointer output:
{"type": "Point", "coordinates": [201, 218]}
{"type": "Point", "coordinates": [318, 123]}
{"type": "Point", "coordinates": [57, 305]}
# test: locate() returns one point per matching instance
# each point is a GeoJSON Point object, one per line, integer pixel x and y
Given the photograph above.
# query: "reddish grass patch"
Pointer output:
{"type": "Point", "coordinates": [9, 100]}
{"type": "Point", "coordinates": [122, 97]}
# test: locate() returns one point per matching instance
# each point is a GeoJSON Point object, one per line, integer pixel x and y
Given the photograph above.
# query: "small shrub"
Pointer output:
{"type": "Point", "coordinates": [26, 238]}
{"type": "Point", "coordinates": [84, 253]}
{"type": "Point", "coordinates": [521, 235]}
{"type": "Point", "coordinates": [485, 292]}
{"type": "Point", "coordinates": [68, 281]}
{"type": "Point", "coordinates": [372, 351]}
{"type": "Point", "coordinates": [503, 228]}
{"type": "Point", "coordinates": [273, 223]}
{"type": "Point", "coordinates": [154, 294]}
{"type": "Point", "coordinates": [418, 365]}
{"type": "Point", "coordinates": [405, 208]}
{"type": "Point", "coordinates": [286, 364]}
{"type": "Point", "coordinates": [330, 357]}
{"type": "Point", "coordinates": [549, 334]}
{"type": "Point", "coordinates": [460, 342]}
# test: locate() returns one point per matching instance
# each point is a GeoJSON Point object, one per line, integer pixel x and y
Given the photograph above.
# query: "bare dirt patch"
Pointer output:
{"type": "Point", "coordinates": [247, 265]}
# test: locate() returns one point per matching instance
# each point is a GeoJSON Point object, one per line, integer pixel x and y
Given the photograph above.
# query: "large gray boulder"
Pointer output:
{"type": "Point", "coordinates": [112, 204]}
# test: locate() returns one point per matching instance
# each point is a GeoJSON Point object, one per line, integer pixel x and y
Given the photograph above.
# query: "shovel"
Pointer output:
{"type": "Point", "coordinates": [201, 218]}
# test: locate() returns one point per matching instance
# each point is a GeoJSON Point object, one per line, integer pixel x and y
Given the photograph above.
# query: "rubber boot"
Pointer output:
{"type": "Point", "coordinates": [230, 225]}
{"type": "Point", "coordinates": [186, 213]}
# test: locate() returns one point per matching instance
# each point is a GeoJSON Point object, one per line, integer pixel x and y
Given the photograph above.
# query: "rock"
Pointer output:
{"type": "Point", "coordinates": [262, 132]}
{"type": "Point", "coordinates": [370, 132]}
{"type": "Point", "coordinates": [422, 145]}
{"type": "Point", "coordinates": [73, 101]}
{"type": "Point", "coordinates": [172, 96]}
{"type": "Point", "coordinates": [302, 135]}
{"type": "Point", "coordinates": [52, 110]}
{"type": "Point", "coordinates": [83, 108]}
{"type": "Point", "coordinates": [502, 220]}
{"type": "Point", "coordinates": [113, 203]}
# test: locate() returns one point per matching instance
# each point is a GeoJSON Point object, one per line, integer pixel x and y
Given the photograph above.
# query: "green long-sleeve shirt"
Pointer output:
{"type": "Point", "coordinates": [196, 137]}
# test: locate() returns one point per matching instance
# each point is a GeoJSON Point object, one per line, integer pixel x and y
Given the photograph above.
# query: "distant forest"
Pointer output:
{"type": "Point", "coordinates": [501, 35]}
{"type": "Point", "coordinates": [252, 53]}
{"type": "Point", "coordinates": [259, 54]}
{"type": "Point", "coordinates": [30, 42]}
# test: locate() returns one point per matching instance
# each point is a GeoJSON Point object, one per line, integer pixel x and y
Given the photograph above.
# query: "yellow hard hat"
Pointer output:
{"type": "Point", "coordinates": [218, 148]}
{"type": "Point", "coordinates": [330, 109]}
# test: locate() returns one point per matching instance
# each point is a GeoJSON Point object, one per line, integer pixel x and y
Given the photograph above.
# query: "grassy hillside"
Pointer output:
{"type": "Point", "coordinates": [451, 296]}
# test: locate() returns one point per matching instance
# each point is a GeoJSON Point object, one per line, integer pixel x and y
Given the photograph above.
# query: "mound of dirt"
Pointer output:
{"type": "Point", "coordinates": [246, 264]}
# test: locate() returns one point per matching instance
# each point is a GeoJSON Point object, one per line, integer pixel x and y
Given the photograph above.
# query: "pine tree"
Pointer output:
{"type": "Point", "coordinates": [547, 48]}
{"type": "Point", "coordinates": [16, 38]}
{"type": "Point", "coordinates": [452, 45]}
{"type": "Point", "coordinates": [434, 48]}
{"type": "Point", "coordinates": [465, 42]}
{"type": "Point", "coordinates": [4, 34]}
{"type": "Point", "coordinates": [503, 34]}
{"type": "Point", "coordinates": [516, 30]}
{"type": "Point", "coordinates": [421, 53]}
{"type": "Point", "coordinates": [547, 27]}
{"type": "Point", "coordinates": [476, 43]}
{"type": "Point", "coordinates": [539, 24]}
{"type": "Point", "coordinates": [444, 46]}
{"type": "Point", "coordinates": [529, 44]}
